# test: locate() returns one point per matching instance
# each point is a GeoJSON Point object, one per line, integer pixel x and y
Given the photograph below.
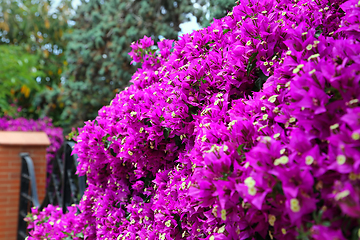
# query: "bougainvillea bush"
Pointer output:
{"type": "Point", "coordinates": [247, 129]}
{"type": "Point", "coordinates": [54, 134]}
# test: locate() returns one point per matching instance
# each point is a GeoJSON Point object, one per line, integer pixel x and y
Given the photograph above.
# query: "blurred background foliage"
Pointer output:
{"type": "Point", "coordinates": [99, 45]}
{"type": "Point", "coordinates": [67, 64]}
{"type": "Point", "coordinates": [32, 33]}
{"type": "Point", "coordinates": [215, 9]}
{"type": "Point", "coordinates": [17, 74]}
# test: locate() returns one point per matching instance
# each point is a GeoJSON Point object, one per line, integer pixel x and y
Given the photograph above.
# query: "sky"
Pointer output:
{"type": "Point", "coordinates": [186, 27]}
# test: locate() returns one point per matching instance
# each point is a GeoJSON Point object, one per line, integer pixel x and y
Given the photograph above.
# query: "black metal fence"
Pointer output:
{"type": "Point", "coordinates": [28, 193]}
{"type": "Point", "coordinates": [64, 189]}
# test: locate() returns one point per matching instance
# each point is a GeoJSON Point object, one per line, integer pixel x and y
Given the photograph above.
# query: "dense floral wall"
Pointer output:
{"type": "Point", "coordinates": [247, 129]}
{"type": "Point", "coordinates": [54, 134]}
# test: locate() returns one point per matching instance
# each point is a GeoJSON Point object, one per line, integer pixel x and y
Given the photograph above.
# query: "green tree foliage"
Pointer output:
{"type": "Point", "coordinates": [18, 71]}
{"type": "Point", "coordinates": [38, 32]}
{"type": "Point", "coordinates": [97, 53]}
{"type": "Point", "coordinates": [214, 9]}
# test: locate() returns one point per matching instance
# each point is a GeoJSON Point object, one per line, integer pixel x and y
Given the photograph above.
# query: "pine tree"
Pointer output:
{"type": "Point", "coordinates": [99, 64]}
{"type": "Point", "coordinates": [216, 9]}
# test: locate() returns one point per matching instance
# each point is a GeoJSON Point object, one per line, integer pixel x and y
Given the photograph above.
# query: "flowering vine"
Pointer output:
{"type": "Point", "coordinates": [247, 129]}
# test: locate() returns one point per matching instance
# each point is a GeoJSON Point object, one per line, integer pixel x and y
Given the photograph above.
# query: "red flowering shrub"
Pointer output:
{"type": "Point", "coordinates": [247, 129]}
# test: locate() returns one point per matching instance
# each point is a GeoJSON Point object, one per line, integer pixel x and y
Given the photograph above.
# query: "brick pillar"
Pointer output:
{"type": "Point", "coordinates": [11, 144]}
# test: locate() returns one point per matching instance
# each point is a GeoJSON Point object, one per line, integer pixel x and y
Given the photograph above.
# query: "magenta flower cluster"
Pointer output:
{"type": "Point", "coordinates": [247, 129]}
{"type": "Point", "coordinates": [54, 134]}
{"type": "Point", "coordinates": [52, 224]}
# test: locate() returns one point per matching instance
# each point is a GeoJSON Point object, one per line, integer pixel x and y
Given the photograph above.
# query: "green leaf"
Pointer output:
{"type": "Point", "coordinates": [278, 188]}
{"type": "Point", "coordinates": [193, 110]}
{"type": "Point", "coordinates": [326, 223]}
{"type": "Point", "coordinates": [166, 132]}
{"type": "Point", "coordinates": [178, 141]}
{"type": "Point", "coordinates": [319, 31]}
{"type": "Point", "coordinates": [309, 225]}
{"type": "Point", "coordinates": [334, 93]}
{"type": "Point", "coordinates": [258, 37]}
{"type": "Point", "coordinates": [207, 45]}
{"type": "Point", "coordinates": [251, 65]}
{"type": "Point", "coordinates": [105, 141]}
{"type": "Point", "coordinates": [355, 234]}
{"type": "Point", "coordinates": [80, 235]}
{"type": "Point", "coordinates": [225, 176]}
{"type": "Point", "coordinates": [240, 149]}
{"type": "Point", "coordinates": [226, 30]}
{"type": "Point", "coordinates": [259, 82]}
{"type": "Point", "coordinates": [253, 56]}
{"type": "Point", "coordinates": [112, 152]}
{"type": "Point", "coordinates": [147, 122]}
{"type": "Point", "coordinates": [247, 16]}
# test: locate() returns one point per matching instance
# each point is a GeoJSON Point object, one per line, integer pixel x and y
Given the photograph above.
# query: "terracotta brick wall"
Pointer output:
{"type": "Point", "coordinates": [10, 168]}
